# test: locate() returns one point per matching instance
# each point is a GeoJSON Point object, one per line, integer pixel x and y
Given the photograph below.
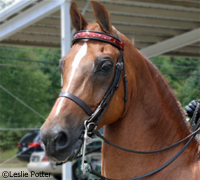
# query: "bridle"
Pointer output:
{"type": "Point", "coordinates": [94, 117]}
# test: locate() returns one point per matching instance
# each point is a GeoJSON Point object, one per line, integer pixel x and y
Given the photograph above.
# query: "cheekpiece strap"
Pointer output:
{"type": "Point", "coordinates": [99, 36]}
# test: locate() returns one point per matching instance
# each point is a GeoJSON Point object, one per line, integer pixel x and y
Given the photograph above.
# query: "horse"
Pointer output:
{"type": "Point", "coordinates": [140, 114]}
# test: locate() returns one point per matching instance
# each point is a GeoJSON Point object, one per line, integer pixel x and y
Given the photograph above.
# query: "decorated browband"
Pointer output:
{"type": "Point", "coordinates": [99, 36]}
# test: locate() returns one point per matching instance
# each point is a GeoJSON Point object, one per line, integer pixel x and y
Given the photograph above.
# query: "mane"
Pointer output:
{"type": "Point", "coordinates": [170, 98]}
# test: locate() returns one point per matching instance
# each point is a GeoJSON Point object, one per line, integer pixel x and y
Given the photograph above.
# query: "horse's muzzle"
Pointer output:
{"type": "Point", "coordinates": [59, 146]}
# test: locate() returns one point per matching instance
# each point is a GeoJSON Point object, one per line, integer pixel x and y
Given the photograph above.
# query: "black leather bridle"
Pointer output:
{"type": "Point", "coordinates": [94, 117]}
{"type": "Point", "coordinates": [119, 69]}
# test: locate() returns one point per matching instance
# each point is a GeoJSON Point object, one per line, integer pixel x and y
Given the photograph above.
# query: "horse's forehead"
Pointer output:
{"type": "Point", "coordinates": [92, 50]}
{"type": "Point", "coordinates": [80, 50]}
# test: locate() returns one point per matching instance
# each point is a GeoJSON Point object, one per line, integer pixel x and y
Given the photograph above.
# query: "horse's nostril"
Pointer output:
{"type": "Point", "coordinates": [61, 139]}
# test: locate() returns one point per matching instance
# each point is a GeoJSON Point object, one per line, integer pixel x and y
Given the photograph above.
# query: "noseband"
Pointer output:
{"type": "Point", "coordinates": [119, 68]}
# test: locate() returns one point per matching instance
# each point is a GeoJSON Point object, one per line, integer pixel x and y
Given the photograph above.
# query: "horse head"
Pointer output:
{"type": "Point", "coordinates": [87, 70]}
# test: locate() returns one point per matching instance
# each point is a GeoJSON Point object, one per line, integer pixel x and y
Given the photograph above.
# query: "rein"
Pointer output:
{"type": "Point", "coordinates": [191, 136]}
{"type": "Point", "coordinates": [94, 117]}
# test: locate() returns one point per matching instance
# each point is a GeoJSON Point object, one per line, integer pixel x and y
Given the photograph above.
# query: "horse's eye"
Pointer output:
{"type": "Point", "coordinates": [106, 66]}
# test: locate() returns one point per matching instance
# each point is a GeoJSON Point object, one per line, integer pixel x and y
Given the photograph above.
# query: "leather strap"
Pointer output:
{"type": "Point", "coordinates": [78, 101]}
{"type": "Point", "coordinates": [152, 172]}
{"type": "Point", "coordinates": [99, 36]}
{"type": "Point", "coordinates": [197, 130]}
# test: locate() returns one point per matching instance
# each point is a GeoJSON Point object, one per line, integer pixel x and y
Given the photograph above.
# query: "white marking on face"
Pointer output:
{"type": "Point", "coordinates": [81, 53]}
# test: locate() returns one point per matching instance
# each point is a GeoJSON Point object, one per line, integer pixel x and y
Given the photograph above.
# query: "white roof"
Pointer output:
{"type": "Point", "coordinates": [155, 28]}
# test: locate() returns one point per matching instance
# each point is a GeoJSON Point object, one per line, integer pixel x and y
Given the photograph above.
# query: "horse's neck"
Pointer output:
{"type": "Point", "coordinates": [157, 106]}
{"type": "Point", "coordinates": [152, 107]}
{"type": "Point", "coordinates": [153, 120]}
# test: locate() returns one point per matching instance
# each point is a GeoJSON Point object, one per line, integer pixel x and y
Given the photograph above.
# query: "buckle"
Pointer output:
{"type": "Point", "coordinates": [120, 66]}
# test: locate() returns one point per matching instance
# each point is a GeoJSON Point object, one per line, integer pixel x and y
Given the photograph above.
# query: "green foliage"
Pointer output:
{"type": "Point", "coordinates": [37, 87]}
{"type": "Point", "coordinates": [191, 88]}
{"type": "Point", "coordinates": [183, 76]}
{"type": "Point", "coordinates": [9, 139]}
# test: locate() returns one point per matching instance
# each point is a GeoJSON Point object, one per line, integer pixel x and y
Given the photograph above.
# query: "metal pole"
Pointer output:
{"type": "Point", "coordinates": [65, 47]}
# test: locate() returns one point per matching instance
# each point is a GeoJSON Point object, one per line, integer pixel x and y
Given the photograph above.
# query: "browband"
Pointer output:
{"type": "Point", "coordinates": [99, 36]}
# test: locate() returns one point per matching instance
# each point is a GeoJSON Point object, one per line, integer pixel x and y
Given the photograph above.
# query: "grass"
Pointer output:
{"type": "Point", "coordinates": [7, 154]}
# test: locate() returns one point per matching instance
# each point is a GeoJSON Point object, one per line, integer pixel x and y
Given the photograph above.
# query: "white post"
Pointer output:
{"type": "Point", "coordinates": [65, 47]}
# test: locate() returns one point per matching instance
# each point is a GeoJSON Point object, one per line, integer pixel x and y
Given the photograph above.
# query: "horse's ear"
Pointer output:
{"type": "Point", "coordinates": [102, 16]}
{"type": "Point", "coordinates": [78, 21]}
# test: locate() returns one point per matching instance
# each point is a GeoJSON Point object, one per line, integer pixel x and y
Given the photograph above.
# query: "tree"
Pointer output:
{"type": "Point", "coordinates": [31, 85]}
{"type": "Point", "coordinates": [191, 88]}
{"type": "Point", "coordinates": [182, 74]}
